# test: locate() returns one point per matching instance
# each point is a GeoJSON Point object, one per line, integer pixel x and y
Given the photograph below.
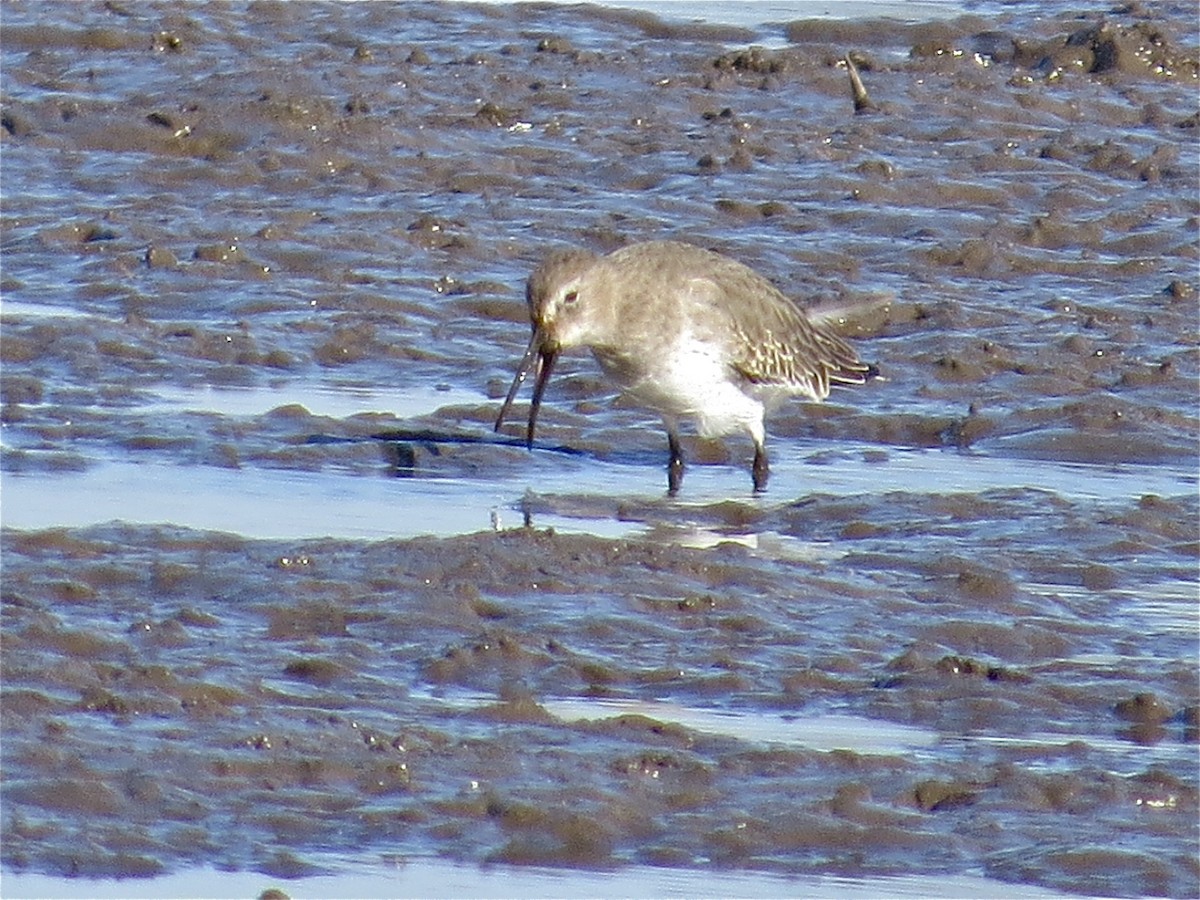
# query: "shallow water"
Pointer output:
{"type": "Point", "coordinates": [433, 877]}
{"type": "Point", "coordinates": [278, 603]}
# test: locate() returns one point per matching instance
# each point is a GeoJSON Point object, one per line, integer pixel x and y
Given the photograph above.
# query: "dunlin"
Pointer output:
{"type": "Point", "coordinates": [686, 332]}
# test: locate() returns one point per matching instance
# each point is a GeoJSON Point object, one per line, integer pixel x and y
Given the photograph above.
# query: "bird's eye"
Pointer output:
{"type": "Point", "coordinates": [570, 297]}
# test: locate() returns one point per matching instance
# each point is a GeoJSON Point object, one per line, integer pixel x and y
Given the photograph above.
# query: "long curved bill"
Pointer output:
{"type": "Point", "coordinates": [540, 356]}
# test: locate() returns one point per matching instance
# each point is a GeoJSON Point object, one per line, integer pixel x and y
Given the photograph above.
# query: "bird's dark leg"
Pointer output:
{"type": "Point", "coordinates": [675, 466]}
{"type": "Point", "coordinates": [761, 470]}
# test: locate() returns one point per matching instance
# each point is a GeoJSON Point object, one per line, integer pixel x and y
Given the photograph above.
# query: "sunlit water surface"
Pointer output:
{"type": "Point", "coordinates": [281, 610]}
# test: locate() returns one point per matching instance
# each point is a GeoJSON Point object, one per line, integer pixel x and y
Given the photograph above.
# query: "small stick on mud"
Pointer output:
{"type": "Point", "coordinates": [862, 102]}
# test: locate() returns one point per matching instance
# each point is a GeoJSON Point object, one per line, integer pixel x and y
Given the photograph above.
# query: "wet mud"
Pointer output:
{"type": "Point", "coordinates": [274, 594]}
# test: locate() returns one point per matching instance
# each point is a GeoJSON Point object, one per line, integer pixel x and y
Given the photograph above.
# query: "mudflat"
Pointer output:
{"type": "Point", "coordinates": [277, 600]}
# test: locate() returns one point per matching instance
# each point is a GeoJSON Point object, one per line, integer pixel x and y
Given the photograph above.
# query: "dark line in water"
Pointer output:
{"type": "Point", "coordinates": [430, 436]}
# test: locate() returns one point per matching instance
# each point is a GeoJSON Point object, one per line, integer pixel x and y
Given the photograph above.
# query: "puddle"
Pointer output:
{"type": "Point", "coordinates": [815, 732]}
{"type": "Point", "coordinates": [334, 400]}
{"type": "Point", "coordinates": [1165, 753]}
{"type": "Point", "coordinates": [800, 468]}
{"type": "Point", "coordinates": [1023, 216]}
{"type": "Point", "coordinates": [272, 503]}
{"type": "Point", "coordinates": [821, 732]}
{"type": "Point", "coordinates": [1165, 607]}
{"type": "Point", "coordinates": [757, 14]}
{"type": "Point", "coordinates": [768, 543]}
{"type": "Point", "coordinates": [28, 310]}
{"type": "Point", "coordinates": [936, 471]}
{"type": "Point", "coordinates": [435, 877]}
{"type": "Point", "coordinates": [279, 503]}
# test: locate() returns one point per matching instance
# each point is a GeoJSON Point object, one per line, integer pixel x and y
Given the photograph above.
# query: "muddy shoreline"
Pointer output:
{"type": "Point", "coordinates": [274, 595]}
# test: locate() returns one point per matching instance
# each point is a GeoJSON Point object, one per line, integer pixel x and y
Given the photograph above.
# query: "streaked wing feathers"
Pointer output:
{"type": "Point", "coordinates": [778, 346]}
{"type": "Point", "coordinates": [769, 340]}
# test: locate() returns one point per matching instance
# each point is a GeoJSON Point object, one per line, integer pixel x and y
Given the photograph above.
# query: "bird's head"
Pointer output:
{"type": "Point", "coordinates": [561, 316]}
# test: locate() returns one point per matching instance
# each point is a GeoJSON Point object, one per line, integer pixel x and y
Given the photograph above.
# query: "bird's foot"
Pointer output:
{"type": "Point", "coordinates": [674, 478]}
{"type": "Point", "coordinates": [675, 466]}
{"type": "Point", "coordinates": [761, 470]}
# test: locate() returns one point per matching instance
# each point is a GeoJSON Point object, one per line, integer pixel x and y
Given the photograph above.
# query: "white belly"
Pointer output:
{"type": "Point", "coordinates": [691, 380]}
